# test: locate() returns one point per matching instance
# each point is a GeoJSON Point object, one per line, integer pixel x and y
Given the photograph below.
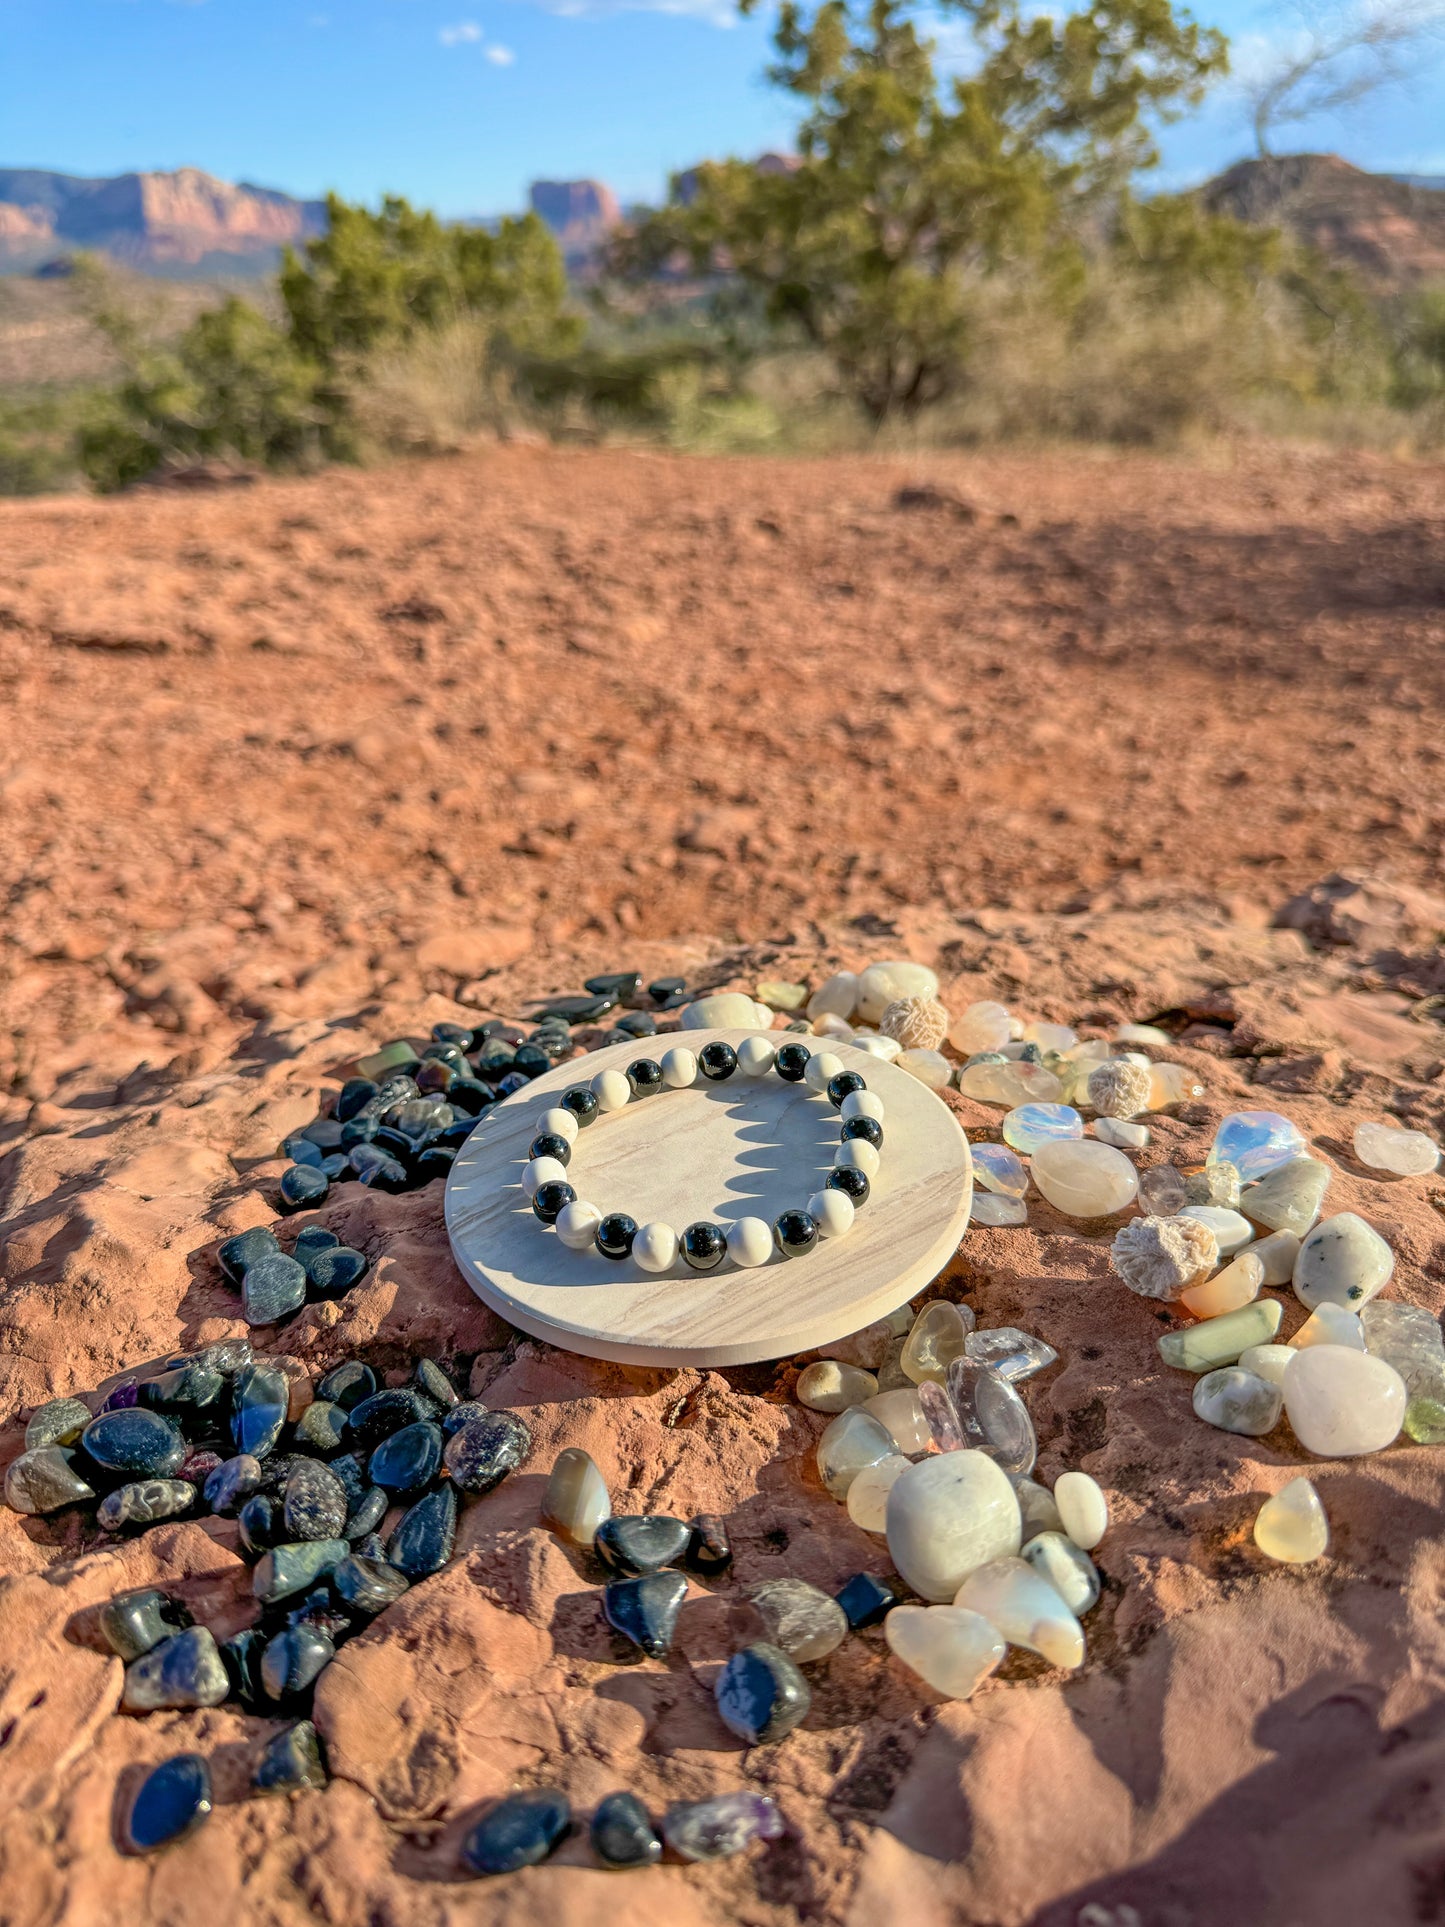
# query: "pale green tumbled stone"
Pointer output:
{"type": "Point", "coordinates": [1237, 1400]}
{"type": "Point", "coordinates": [1219, 1341]}
{"type": "Point", "coordinates": [1289, 1197]}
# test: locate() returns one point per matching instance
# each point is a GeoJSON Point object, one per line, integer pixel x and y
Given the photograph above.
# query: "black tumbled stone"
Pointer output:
{"type": "Point", "coordinates": [615, 1236]}
{"type": "Point", "coordinates": [435, 1161]}
{"type": "Point", "coordinates": [241, 1656]}
{"type": "Point", "coordinates": [717, 1061]}
{"type": "Point", "coordinates": [865, 1600]}
{"type": "Point", "coordinates": [134, 1441]}
{"type": "Point", "coordinates": [190, 1394]}
{"type": "Point", "coordinates": [482, 1453]}
{"type": "Point", "coordinates": [761, 1695]}
{"type": "Point", "coordinates": [852, 1182]}
{"type": "Point", "coordinates": [356, 1094]}
{"type": "Point", "coordinates": [292, 1568]}
{"type": "Point", "coordinates": [791, 1061]}
{"type": "Point", "coordinates": [171, 1802]}
{"type": "Point", "coordinates": [637, 1023]}
{"type": "Point", "coordinates": [518, 1832]}
{"type": "Point", "coordinates": [470, 1096]}
{"type": "Point", "coordinates": [704, 1246]}
{"type": "Point", "coordinates": [409, 1460]}
{"type": "Point", "coordinates": [367, 1586]}
{"type": "Point", "coordinates": [422, 1542]}
{"type": "Point", "coordinates": [664, 988]}
{"type": "Point", "coordinates": [259, 1522]}
{"type": "Point", "coordinates": [184, 1670]}
{"type": "Point", "coordinates": [383, 1413]}
{"type": "Point", "coordinates": [348, 1384]}
{"type": "Point", "coordinates": [623, 1834]}
{"type": "Point", "coordinates": [613, 983]}
{"type": "Point", "coordinates": [314, 1238]}
{"type": "Point", "coordinates": [386, 1174]}
{"type": "Point", "coordinates": [272, 1289]}
{"type": "Point", "coordinates": [532, 1060]}
{"type": "Point", "coordinates": [641, 1542]}
{"type": "Point", "coordinates": [291, 1762]}
{"type": "Point", "coordinates": [259, 1398]}
{"type": "Point", "coordinates": [232, 1483]}
{"type": "Point", "coordinates": [134, 1622]}
{"type": "Point", "coordinates": [313, 1505]}
{"type": "Point", "coordinates": [709, 1550]}
{"type": "Point", "coordinates": [462, 1414]}
{"type": "Point", "coordinates": [645, 1610]}
{"type": "Point", "coordinates": [432, 1382]}
{"type": "Point", "coordinates": [235, 1254]}
{"type": "Point", "coordinates": [303, 1186]}
{"type": "Point", "coordinates": [320, 1610]}
{"type": "Point", "coordinates": [367, 1513]}
{"type": "Point", "coordinates": [292, 1662]}
{"type": "Point", "coordinates": [795, 1233]}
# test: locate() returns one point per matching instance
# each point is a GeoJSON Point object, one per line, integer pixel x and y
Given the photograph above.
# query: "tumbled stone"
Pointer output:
{"type": "Point", "coordinates": [259, 1525]}
{"type": "Point", "coordinates": [1267, 1362]}
{"type": "Point", "coordinates": [930, 1067]}
{"type": "Point", "coordinates": [865, 1599]}
{"type": "Point", "coordinates": [642, 1542]}
{"type": "Point", "coordinates": [462, 1413]}
{"type": "Point", "coordinates": [171, 1802]}
{"type": "Point", "coordinates": [1032, 1126]}
{"type": "Point", "coordinates": [1121, 1132]}
{"type": "Point", "coordinates": [902, 1417]}
{"type": "Point", "coordinates": [44, 1480]}
{"type": "Point", "coordinates": [184, 1670]}
{"type": "Point", "coordinates": [424, 1536]}
{"type": "Point", "coordinates": [1066, 1567]}
{"type": "Point", "coordinates": [291, 1761]}
{"type": "Point", "coordinates": [1237, 1400]}
{"type": "Point", "coordinates": [1236, 1285]}
{"type": "Point", "coordinates": [347, 1385]}
{"type": "Point", "coordinates": [367, 1586]}
{"type": "Point", "coordinates": [994, 1211]}
{"type": "Point", "coordinates": [1118, 1088]}
{"type": "Point", "coordinates": [292, 1662]}
{"type": "Point", "coordinates": [782, 996]}
{"type": "Point", "coordinates": [645, 1609]}
{"type": "Point", "coordinates": [942, 1419]}
{"type": "Point", "coordinates": [409, 1460]}
{"type": "Point", "coordinates": [273, 1288]}
{"type": "Point", "coordinates": [831, 1386]}
{"type": "Point", "coordinates": [520, 1831]}
{"type": "Point", "coordinates": [1161, 1191]}
{"type": "Point", "coordinates": [837, 997]}
{"type": "Point", "coordinates": [1409, 1338]}
{"type": "Point", "coordinates": [314, 1504]}
{"type": "Point", "coordinates": [1038, 1510]}
{"type": "Point", "coordinates": [241, 1656]}
{"type": "Point", "coordinates": [950, 1648]}
{"type": "Point", "coordinates": [1232, 1231]}
{"type": "Point", "coordinates": [334, 1271]}
{"type": "Point", "coordinates": [576, 1501]}
{"type": "Point", "coordinates": [1289, 1197]}
{"type": "Point", "coordinates": [854, 1440]}
{"type": "Point", "coordinates": [1343, 1261]}
{"type": "Point", "coordinates": [1292, 1526]}
{"type": "Point", "coordinates": [1215, 1184]}
{"type": "Point", "coordinates": [947, 1515]}
{"type": "Point", "coordinates": [144, 1502]}
{"type": "Point", "coordinates": [884, 983]}
{"type": "Point", "coordinates": [622, 1832]}
{"type": "Point", "coordinates": [1255, 1142]}
{"type": "Point", "coordinates": [481, 1455]}
{"type": "Point", "coordinates": [992, 1416]}
{"type": "Point", "coordinates": [1330, 1324]}
{"type": "Point", "coordinates": [1015, 1355]}
{"type": "Point", "coordinates": [135, 1441]}
{"type": "Point", "coordinates": [289, 1569]}
{"type": "Point", "coordinates": [134, 1622]}
{"type": "Point", "coordinates": [1171, 1084]}
{"type": "Point", "coordinates": [1219, 1341]}
{"type": "Point", "coordinates": [1083, 1508]}
{"type": "Point", "coordinates": [981, 1027]}
{"type": "Point", "coordinates": [1010, 1084]}
{"type": "Point", "coordinates": [718, 1827]}
{"type": "Point", "coordinates": [376, 1417]}
{"type": "Point", "coordinates": [1277, 1253]}
{"type": "Point", "coordinates": [1342, 1403]}
{"type": "Point", "coordinates": [761, 1696]}
{"type": "Point", "coordinates": [727, 1010]}
{"type": "Point", "coordinates": [798, 1619]}
{"type": "Point", "coordinates": [1385, 1147]}
{"type": "Point", "coordinates": [999, 1169]}
{"type": "Point", "coordinates": [60, 1421]}
{"type": "Point", "coordinates": [259, 1399]}
{"type": "Point", "coordinates": [321, 1427]}
{"type": "Point", "coordinates": [938, 1336]}
{"type": "Point", "coordinates": [709, 1550]}
{"type": "Point", "coordinates": [234, 1255]}
{"type": "Point", "coordinates": [1014, 1597]}
{"type": "Point", "coordinates": [1085, 1179]}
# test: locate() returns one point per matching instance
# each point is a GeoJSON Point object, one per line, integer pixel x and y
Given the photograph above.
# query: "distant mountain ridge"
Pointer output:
{"type": "Point", "coordinates": [1390, 231]}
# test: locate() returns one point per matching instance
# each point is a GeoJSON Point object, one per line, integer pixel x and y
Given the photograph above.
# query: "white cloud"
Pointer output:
{"type": "Point", "coordinates": [500, 56]}
{"type": "Point", "coordinates": [465, 33]}
{"type": "Point", "coordinates": [716, 13]}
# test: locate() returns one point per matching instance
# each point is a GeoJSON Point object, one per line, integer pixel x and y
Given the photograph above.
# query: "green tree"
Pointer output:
{"type": "Point", "coordinates": [904, 186]}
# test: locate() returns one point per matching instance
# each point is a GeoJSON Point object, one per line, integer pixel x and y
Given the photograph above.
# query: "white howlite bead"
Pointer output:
{"type": "Point", "coordinates": [679, 1067]}
{"type": "Point", "coordinates": [823, 1065]}
{"type": "Point", "coordinates": [577, 1225]}
{"type": "Point", "coordinates": [755, 1056]}
{"type": "Point", "coordinates": [750, 1242]}
{"type": "Point", "coordinates": [858, 1152]}
{"type": "Point", "coordinates": [543, 1171]}
{"type": "Point", "coordinates": [861, 1104]}
{"type": "Point", "coordinates": [832, 1211]}
{"type": "Point", "coordinates": [655, 1247]}
{"type": "Point", "coordinates": [612, 1090]}
{"type": "Point", "coordinates": [559, 1122]}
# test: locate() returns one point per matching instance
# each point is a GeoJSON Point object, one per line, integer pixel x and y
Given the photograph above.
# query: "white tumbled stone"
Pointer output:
{"type": "Point", "coordinates": [1083, 1509]}
{"type": "Point", "coordinates": [1386, 1147]}
{"type": "Point", "coordinates": [559, 1122]}
{"type": "Point", "coordinates": [542, 1171]}
{"type": "Point", "coordinates": [888, 1048]}
{"type": "Point", "coordinates": [1289, 1197]}
{"type": "Point", "coordinates": [831, 1386]}
{"type": "Point", "coordinates": [822, 1067]}
{"type": "Point", "coordinates": [835, 1029]}
{"type": "Point", "coordinates": [577, 1225]}
{"type": "Point", "coordinates": [1330, 1324]}
{"type": "Point", "coordinates": [1121, 1131]}
{"type": "Point", "coordinates": [655, 1247]}
{"type": "Point", "coordinates": [1084, 1179]}
{"type": "Point", "coordinates": [930, 1067]}
{"type": "Point", "coordinates": [990, 1210]}
{"type": "Point", "coordinates": [725, 1010]}
{"type": "Point", "coordinates": [679, 1067]}
{"type": "Point", "coordinates": [1236, 1400]}
{"type": "Point", "coordinates": [882, 984]}
{"type": "Point", "coordinates": [612, 1090]}
{"type": "Point", "coordinates": [983, 1026]}
{"type": "Point", "coordinates": [1016, 1598]}
{"type": "Point", "coordinates": [867, 1499]}
{"type": "Point", "coordinates": [750, 1242]}
{"type": "Point", "coordinates": [1343, 1261]}
{"type": "Point", "coordinates": [1068, 1569]}
{"type": "Point", "coordinates": [1342, 1403]}
{"type": "Point", "coordinates": [902, 1415]}
{"type": "Point", "coordinates": [832, 1211]}
{"type": "Point", "coordinates": [948, 1647]}
{"type": "Point", "coordinates": [854, 1440]}
{"type": "Point", "coordinates": [948, 1515]}
{"type": "Point", "coordinates": [1231, 1231]}
{"type": "Point", "coordinates": [755, 1056]}
{"type": "Point", "coordinates": [839, 995]}
{"type": "Point", "coordinates": [1267, 1361]}
{"type": "Point", "coordinates": [1277, 1253]}
{"type": "Point", "coordinates": [1292, 1526]}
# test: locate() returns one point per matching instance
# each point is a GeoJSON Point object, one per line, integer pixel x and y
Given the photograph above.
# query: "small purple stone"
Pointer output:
{"type": "Point", "coordinates": [726, 1824]}
{"type": "Point", "coordinates": [942, 1418]}
{"type": "Point", "coordinates": [123, 1397]}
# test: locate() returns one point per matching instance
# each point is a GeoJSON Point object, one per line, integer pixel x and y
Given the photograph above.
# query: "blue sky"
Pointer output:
{"type": "Point", "coordinates": [460, 103]}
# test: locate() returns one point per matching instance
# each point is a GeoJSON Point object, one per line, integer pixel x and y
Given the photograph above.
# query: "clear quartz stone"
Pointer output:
{"type": "Point", "coordinates": [1016, 1598]}
{"type": "Point", "coordinates": [1161, 1191]}
{"type": "Point", "coordinates": [991, 1415]}
{"type": "Point", "coordinates": [994, 1212]}
{"type": "Point", "coordinates": [1171, 1084]}
{"type": "Point", "coordinates": [1342, 1404]}
{"type": "Point", "coordinates": [799, 1620]}
{"type": "Point", "coordinates": [950, 1648]}
{"type": "Point", "coordinates": [1215, 1184]}
{"type": "Point", "coordinates": [1255, 1142]}
{"type": "Point", "coordinates": [999, 1169]}
{"type": "Point", "coordinates": [902, 1416]}
{"type": "Point", "coordinates": [854, 1440]}
{"type": "Point", "coordinates": [1409, 1338]}
{"type": "Point", "coordinates": [1385, 1147]}
{"type": "Point", "coordinates": [939, 1335]}
{"type": "Point", "coordinates": [868, 1494]}
{"type": "Point", "coordinates": [1085, 1179]}
{"type": "Point", "coordinates": [1013, 1354]}
{"type": "Point", "coordinates": [1009, 1084]}
{"type": "Point", "coordinates": [930, 1067]}
{"type": "Point", "coordinates": [1031, 1126]}
{"type": "Point", "coordinates": [942, 1419]}
{"type": "Point", "coordinates": [1068, 1569]}
{"type": "Point", "coordinates": [1292, 1526]}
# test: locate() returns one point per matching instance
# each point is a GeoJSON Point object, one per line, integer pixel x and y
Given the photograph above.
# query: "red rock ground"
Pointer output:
{"type": "Point", "coordinates": [289, 769]}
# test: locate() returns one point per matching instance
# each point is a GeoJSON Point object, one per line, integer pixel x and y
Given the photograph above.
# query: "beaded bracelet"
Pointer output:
{"type": "Point", "coordinates": [749, 1242]}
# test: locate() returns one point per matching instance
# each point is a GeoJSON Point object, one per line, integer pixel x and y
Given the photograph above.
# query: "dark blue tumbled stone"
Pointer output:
{"type": "Point", "coordinates": [709, 1550]}
{"type": "Point", "coordinates": [641, 1542]}
{"type": "Point", "coordinates": [645, 1610]}
{"type": "Point", "coordinates": [172, 1801]}
{"type": "Point", "coordinates": [356, 1093]}
{"type": "Point", "coordinates": [314, 1503]}
{"type": "Point", "coordinates": [241, 1657]}
{"type": "Point", "coordinates": [295, 1567]}
{"type": "Point", "coordinates": [448, 1033]}
{"type": "Point", "coordinates": [517, 1832]}
{"type": "Point", "coordinates": [272, 1289]}
{"type": "Point", "coordinates": [320, 1610]}
{"type": "Point", "coordinates": [367, 1586]}
{"type": "Point", "coordinates": [614, 983]}
{"type": "Point", "coordinates": [512, 1082]}
{"type": "Point", "coordinates": [409, 1460]}
{"type": "Point", "coordinates": [184, 1670]}
{"type": "Point", "coordinates": [383, 1413]}
{"type": "Point", "coordinates": [292, 1661]}
{"type": "Point", "coordinates": [462, 1414]}
{"type": "Point", "coordinates": [761, 1695]}
{"type": "Point", "coordinates": [350, 1468]}
{"type": "Point", "coordinates": [373, 1546]}
{"type": "Point", "coordinates": [386, 1174]}
{"type": "Point", "coordinates": [432, 1382]}
{"type": "Point", "coordinates": [663, 988]}
{"type": "Point", "coordinates": [865, 1600]}
{"type": "Point", "coordinates": [623, 1834]}
{"type": "Point", "coordinates": [189, 1394]}
{"type": "Point", "coordinates": [133, 1622]}
{"type": "Point", "coordinates": [358, 1131]}
{"type": "Point", "coordinates": [422, 1542]}
{"type": "Point", "coordinates": [259, 1397]}
{"type": "Point", "coordinates": [227, 1356]}
{"type": "Point", "coordinates": [325, 1132]}
{"type": "Point", "coordinates": [435, 1161]}
{"type": "Point", "coordinates": [470, 1096]}
{"type": "Point", "coordinates": [482, 1453]}
{"type": "Point", "coordinates": [134, 1441]}
{"type": "Point", "coordinates": [335, 1166]}
{"type": "Point", "coordinates": [366, 1513]}
{"type": "Point", "coordinates": [302, 1151]}
{"type": "Point", "coordinates": [348, 1384]}
{"type": "Point", "coordinates": [637, 1023]}
{"type": "Point", "coordinates": [259, 1523]}
{"type": "Point", "coordinates": [303, 1186]}
{"type": "Point", "coordinates": [235, 1254]}
{"type": "Point", "coordinates": [232, 1483]}
{"type": "Point", "coordinates": [314, 1238]}
{"type": "Point", "coordinates": [335, 1270]}
{"type": "Point", "coordinates": [291, 1762]}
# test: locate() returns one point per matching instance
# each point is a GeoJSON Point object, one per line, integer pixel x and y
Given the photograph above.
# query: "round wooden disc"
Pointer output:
{"type": "Point", "coordinates": [749, 1147]}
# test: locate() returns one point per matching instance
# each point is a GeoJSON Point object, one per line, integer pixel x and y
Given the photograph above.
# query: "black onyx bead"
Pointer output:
{"type": "Point", "coordinates": [551, 1144]}
{"type": "Point", "coordinates": [717, 1061]}
{"type": "Point", "coordinates": [794, 1233]}
{"type": "Point", "coordinates": [791, 1061]}
{"type": "Point", "coordinates": [615, 1235]}
{"type": "Point", "coordinates": [623, 1834]}
{"type": "Point", "coordinates": [581, 1102]}
{"type": "Point", "coordinates": [645, 1077]}
{"type": "Point", "coordinates": [173, 1801]}
{"type": "Point", "coordinates": [851, 1182]}
{"type": "Point", "coordinates": [517, 1832]}
{"type": "Point", "coordinates": [549, 1200]}
{"type": "Point", "coordinates": [865, 1600]}
{"type": "Point", "coordinates": [704, 1245]}
{"type": "Point", "coordinates": [867, 1128]}
{"type": "Point", "coordinates": [843, 1084]}
{"type": "Point", "coordinates": [303, 1186]}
